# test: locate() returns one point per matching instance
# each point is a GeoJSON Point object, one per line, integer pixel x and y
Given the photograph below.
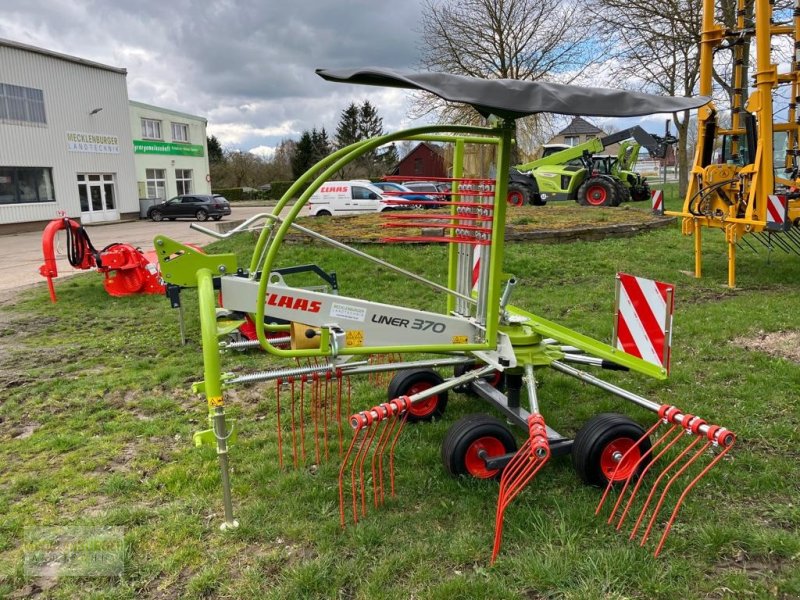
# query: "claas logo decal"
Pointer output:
{"type": "Point", "coordinates": [333, 188]}
{"type": "Point", "coordinates": [293, 303]}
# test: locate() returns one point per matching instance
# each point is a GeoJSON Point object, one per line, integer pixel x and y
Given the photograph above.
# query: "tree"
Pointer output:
{"type": "Point", "coordinates": [303, 156]}
{"type": "Point", "coordinates": [242, 169]}
{"type": "Point", "coordinates": [215, 154]}
{"type": "Point", "coordinates": [503, 39]}
{"type": "Point", "coordinates": [347, 129]}
{"type": "Point", "coordinates": [358, 123]}
{"type": "Point", "coordinates": [370, 125]}
{"type": "Point", "coordinates": [658, 51]}
{"type": "Point", "coordinates": [282, 160]}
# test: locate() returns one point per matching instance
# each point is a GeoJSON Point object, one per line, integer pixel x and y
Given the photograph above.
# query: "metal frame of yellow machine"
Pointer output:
{"type": "Point", "coordinates": [734, 195]}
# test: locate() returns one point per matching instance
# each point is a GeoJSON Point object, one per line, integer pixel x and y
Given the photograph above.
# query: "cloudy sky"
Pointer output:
{"type": "Point", "coordinates": [246, 65]}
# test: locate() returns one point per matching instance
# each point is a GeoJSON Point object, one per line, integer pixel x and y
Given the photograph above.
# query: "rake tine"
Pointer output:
{"type": "Point", "coordinates": [728, 442]}
{"type": "Point", "coordinates": [791, 242]}
{"type": "Point", "coordinates": [780, 242]}
{"type": "Point", "coordinates": [357, 433]}
{"type": "Point", "coordinates": [302, 416]}
{"type": "Point", "coordinates": [315, 412]}
{"type": "Point", "coordinates": [278, 386]}
{"type": "Point", "coordinates": [672, 480]}
{"type": "Point", "coordinates": [364, 435]}
{"type": "Point", "coordinates": [403, 422]}
{"type": "Point", "coordinates": [339, 409]}
{"type": "Point", "coordinates": [610, 485]}
{"type": "Point", "coordinates": [294, 423]}
{"type": "Point", "coordinates": [324, 394]}
{"type": "Point", "coordinates": [657, 482]}
{"type": "Point", "coordinates": [362, 458]}
{"type": "Point", "coordinates": [639, 481]}
{"type": "Point", "coordinates": [684, 424]}
{"type": "Point", "coordinates": [749, 245]}
{"type": "Point", "coordinates": [377, 472]}
{"type": "Point", "coordinates": [518, 473]}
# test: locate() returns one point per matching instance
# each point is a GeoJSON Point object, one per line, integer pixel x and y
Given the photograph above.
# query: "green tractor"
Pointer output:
{"type": "Point", "coordinates": [580, 173]}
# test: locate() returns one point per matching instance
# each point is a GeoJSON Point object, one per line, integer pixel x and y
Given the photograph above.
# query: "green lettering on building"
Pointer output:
{"type": "Point", "coordinates": [150, 147]}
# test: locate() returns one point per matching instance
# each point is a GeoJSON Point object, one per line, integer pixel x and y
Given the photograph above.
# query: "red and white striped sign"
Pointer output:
{"type": "Point", "coordinates": [476, 269]}
{"type": "Point", "coordinates": [643, 326]}
{"type": "Point", "coordinates": [776, 212]}
{"type": "Point", "coordinates": [657, 197]}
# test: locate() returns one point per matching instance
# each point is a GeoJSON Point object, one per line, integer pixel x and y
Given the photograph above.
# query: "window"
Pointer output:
{"type": "Point", "coordinates": [572, 140]}
{"type": "Point", "coordinates": [362, 193]}
{"type": "Point", "coordinates": [20, 185]}
{"type": "Point", "coordinates": [21, 104]}
{"type": "Point", "coordinates": [418, 166]}
{"type": "Point", "coordinates": [156, 183]}
{"type": "Point", "coordinates": [183, 179]}
{"type": "Point", "coordinates": [180, 132]}
{"type": "Point", "coordinates": [151, 129]}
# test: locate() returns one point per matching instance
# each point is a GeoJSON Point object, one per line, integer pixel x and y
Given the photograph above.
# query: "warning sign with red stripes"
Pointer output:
{"type": "Point", "coordinates": [643, 326]}
{"type": "Point", "coordinates": [657, 198]}
{"type": "Point", "coordinates": [776, 212]}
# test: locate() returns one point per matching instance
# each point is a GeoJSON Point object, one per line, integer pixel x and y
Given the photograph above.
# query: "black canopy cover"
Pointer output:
{"type": "Point", "coordinates": [512, 98]}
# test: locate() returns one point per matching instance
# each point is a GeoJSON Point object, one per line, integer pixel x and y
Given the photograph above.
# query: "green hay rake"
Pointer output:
{"type": "Point", "coordinates": [490, 344]}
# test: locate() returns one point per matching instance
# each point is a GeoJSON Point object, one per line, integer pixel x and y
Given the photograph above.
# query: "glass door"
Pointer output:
{"type": "Point", "coordinates": [98, 197]}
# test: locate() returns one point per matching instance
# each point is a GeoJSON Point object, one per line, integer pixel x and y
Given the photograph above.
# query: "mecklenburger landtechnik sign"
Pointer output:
{"type": "Point", "coordinates": [175, 149]}
{"type": "Point", "coordinates": [95, 143]}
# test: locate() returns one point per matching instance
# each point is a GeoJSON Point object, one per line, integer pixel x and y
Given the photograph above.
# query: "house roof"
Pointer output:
{"type": "Point", "coordinates": [579, 126]}
{"type": "Point", "coordinates": [60, 56]}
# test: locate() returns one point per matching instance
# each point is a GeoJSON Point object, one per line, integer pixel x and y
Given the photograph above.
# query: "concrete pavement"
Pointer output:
{"type": "Point", "coordinates": [21, 254]}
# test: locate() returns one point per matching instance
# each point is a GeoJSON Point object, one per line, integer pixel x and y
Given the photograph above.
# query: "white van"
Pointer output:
{"type": "Point", "coordinates": [347, 198]}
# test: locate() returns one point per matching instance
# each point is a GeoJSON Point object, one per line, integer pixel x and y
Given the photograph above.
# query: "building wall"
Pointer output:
{"type": "Point", "coordinates": [166, 153]}
{"type": "Point", "coordinates": [71, 91]}
{"type": "Point", "coordinates": [422, 161]}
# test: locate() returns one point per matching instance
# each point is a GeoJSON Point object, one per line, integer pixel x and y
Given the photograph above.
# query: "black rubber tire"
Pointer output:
{"type": "Point", "coordinates": [323, 213]}
{"type": "Point", "coordinates": [402, 384]}
{"type": "Point", "coordinates": [597, 433]}
{"type": "Point", "coordinates": [201, 215]}
{"type": "Point", "coordinates": [464, 433]}
{"type": "Point", "coordinates": [217, 218]}
{"type": "Point", "coordinates": [641, 193]}
{"type": "Point", "coordinates": [497, 379]}
{"type": "Point", "coordinates": [623, 193]}
{"type": "Point", "coordinates": [518, 195]}
{"type": "Point", "coordinates": [155, 215]}
{"type": "Point", "coordinates": [597, 191]}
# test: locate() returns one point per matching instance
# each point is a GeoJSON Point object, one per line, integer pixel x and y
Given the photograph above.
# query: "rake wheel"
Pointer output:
{"type": "Point", "coordinates": [601, 443]}
{"type": "Point", "coordinates": [414, 381]}
{"type": "Point", "coordinates": [469, 438]}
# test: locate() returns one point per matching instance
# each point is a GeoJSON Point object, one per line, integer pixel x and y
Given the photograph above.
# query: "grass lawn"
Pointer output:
{"type": "Point", "coordinates": [97, 414]}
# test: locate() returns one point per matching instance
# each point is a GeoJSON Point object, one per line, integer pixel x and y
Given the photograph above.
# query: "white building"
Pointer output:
{"type": "Point", "coordinates": [71, 144]}
{"type": "Point", "coordinates": [65, 140]}
{"type": "Point", "coordinates": [170, 152]}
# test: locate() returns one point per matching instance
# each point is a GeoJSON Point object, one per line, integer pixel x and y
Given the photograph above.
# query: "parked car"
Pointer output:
{"type": "Point", "coordinates": [192, 206]}
{"type": "Point", "coordinates": [440, 188]}
{"type": "Point", "coordinates": [393, 189]}
{"type": "Point", "coordinates": [347, 198]}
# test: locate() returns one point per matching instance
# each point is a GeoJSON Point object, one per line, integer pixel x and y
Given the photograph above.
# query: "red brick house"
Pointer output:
{"type": "Point", "coordinates": [425, 160]}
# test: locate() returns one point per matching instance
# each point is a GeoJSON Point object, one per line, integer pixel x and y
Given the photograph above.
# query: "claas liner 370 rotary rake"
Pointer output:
{"type": "Point", "coordinates": [479, 335]}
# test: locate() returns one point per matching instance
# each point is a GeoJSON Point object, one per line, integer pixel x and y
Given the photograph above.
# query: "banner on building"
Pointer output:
{"type": "Point", "coordinates": [170, 148]}
{"type": "Point", "coordinates": [93, 143]}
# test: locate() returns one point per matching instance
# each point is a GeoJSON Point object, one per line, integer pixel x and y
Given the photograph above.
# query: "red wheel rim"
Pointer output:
{"type": "Point", "coordinates": [515, 198]}
{"type": "Point", "coordinates": [495, 379]}
{"type": "Point", "coordinates": [613, 453]}
{"type": "Point", "coordinates": [596, 195]}
{"type": "Point", "coordinates": [475, 465]}
{"type": "Point", "coordinates": [423, 408]}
